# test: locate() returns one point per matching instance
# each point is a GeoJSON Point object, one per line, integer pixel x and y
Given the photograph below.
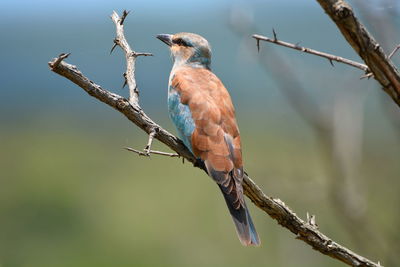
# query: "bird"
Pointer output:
{"type": "Point", "coordinates": [201, 108]}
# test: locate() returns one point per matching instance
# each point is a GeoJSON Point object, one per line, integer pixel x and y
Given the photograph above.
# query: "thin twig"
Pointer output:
{"type": "Point", "coordinates": [394, 51]}
{"type": "Point", "coordinates": [330, 57]}
{"type": "Point", "coordinates": [304, 104]}
{"type": "Point", "coordinates": [137, 54]}
{"type": "Point", "coordinates": [142, 153]}
{"type": "Point", "coordinates": [274, 207]}
{"type": "Point", "coordinates": [147, 149]}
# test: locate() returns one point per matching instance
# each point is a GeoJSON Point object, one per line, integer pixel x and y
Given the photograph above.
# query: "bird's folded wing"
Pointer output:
{"type": "Point", "coordinates": [215, 138]}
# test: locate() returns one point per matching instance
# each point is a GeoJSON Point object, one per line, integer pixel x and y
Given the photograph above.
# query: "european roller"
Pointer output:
{"type": "Point", "coordinates": [202, 111]}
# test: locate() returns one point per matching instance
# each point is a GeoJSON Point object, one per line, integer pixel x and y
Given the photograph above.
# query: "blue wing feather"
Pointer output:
{"type": "Point", "coordinates": [181, 116]}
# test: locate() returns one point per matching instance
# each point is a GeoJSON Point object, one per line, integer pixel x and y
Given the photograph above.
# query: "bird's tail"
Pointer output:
{"type": "Point", "coordinates": [241, 217]}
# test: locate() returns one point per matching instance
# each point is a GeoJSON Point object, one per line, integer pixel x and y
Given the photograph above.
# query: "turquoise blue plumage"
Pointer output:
{"type": "Point", "coordinates": [181, 116]}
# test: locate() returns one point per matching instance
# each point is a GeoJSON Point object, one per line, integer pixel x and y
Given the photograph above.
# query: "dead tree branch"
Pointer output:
{"type": "Point", "coordinates": [274, 207]}
{"type": "Point", "coordinates": [330, 57]}
{"type": "Point", "coordinates": [365, 45]}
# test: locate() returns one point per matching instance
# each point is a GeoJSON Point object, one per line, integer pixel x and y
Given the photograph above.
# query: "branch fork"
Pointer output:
{"type": "Point", "coordinates": [147, 150]}
{"type": "Point", "coordinates": [370, 74]}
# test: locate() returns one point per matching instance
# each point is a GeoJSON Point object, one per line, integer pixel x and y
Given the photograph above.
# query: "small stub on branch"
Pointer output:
{"type": "Point", "coordinates": [137, 54]}
{"type": "Point", "coordinates": [311, 220]}
{"type": "Point", "coordinates": [123, 17]}
{"type": "Point", "coordinates": [125, 80]}
{"type": "Point", "coordinates": [54, 63]}
{"type": "Point", "coordinates": [274, 33]}
{"type": "Point", "coordinates": [116, 43]}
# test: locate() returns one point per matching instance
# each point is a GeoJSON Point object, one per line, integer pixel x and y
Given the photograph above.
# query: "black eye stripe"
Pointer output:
{"type": "Point", "coordinates": [180, 41]}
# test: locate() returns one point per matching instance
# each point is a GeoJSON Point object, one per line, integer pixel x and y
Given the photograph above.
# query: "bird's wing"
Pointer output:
{"type": "Point", "coordinates": [215, 138]}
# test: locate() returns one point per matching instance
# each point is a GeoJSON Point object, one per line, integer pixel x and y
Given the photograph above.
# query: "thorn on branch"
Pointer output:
{"type": "Point", "coordinates": [124, 15]}
{"type": "Point", "coordinates": [274, 33]}
{"type": "Point", "coordinates": [330, 61]}
{"type": "Point", "coordinates": [125, 80]}
{"type": "Point", "coordinates": [57, 61]}
{"type": "Point", "coordinates": [137, 54]}
{"type": "Point", "coordinates": [136, 90]}
{"type": "Point", "coordinates": [367, 75]}
{"type": "Point", "coordinates": [311, 220]}
{"type": "Point", "coordinates": [258, 45]}
{"type": "Point", "coordinates": [116, 42]}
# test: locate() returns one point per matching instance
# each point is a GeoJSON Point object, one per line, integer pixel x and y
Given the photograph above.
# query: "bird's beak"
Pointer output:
{"type": "Point", "coordinates": [166, 38]}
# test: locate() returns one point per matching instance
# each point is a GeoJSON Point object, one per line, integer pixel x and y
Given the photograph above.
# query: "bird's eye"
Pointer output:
{"type": "Point", "coordinates": [180, 41]}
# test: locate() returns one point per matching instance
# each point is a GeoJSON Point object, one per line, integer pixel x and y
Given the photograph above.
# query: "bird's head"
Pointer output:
{"type": "Point", "coordinates": [188, 48]}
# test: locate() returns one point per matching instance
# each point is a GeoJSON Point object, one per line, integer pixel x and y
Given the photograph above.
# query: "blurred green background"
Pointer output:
{"type": "Point", "coordinates": [71, 196]}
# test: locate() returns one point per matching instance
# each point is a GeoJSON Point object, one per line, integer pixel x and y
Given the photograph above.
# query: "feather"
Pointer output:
{"type": "Point", "coordinates": [205, 111]}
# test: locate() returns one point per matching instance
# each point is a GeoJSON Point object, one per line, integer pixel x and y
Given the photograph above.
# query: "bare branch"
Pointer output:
{"type": "Point", "coordinates": [365, 45]}
{"type": "Point", "coordinates": [330, 57]}
{"type": "Point", "coordinates": [274, 207]}
{"type": "Point", "coordinates": [301, 101]}
{"type": "Point", "coordinates": [394, 51]}
{"type": "Point", "coordinates": [130, 55]}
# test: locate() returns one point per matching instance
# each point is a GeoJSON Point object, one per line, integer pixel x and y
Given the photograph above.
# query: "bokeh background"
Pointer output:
{"type": "Point", "coordinates": [315, 136]}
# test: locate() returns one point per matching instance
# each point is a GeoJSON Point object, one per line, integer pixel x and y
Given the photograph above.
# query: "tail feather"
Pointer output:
{"type": "Point", "coordinates": [244, 225]}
